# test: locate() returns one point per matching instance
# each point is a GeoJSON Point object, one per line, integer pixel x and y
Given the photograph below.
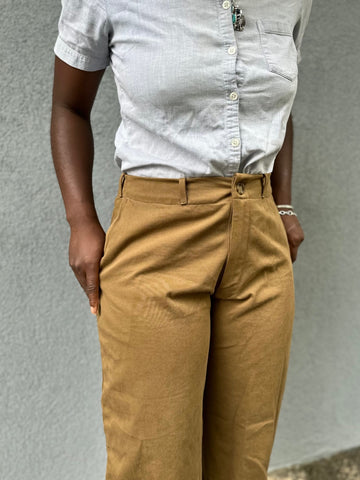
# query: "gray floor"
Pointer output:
{"type": "Point", "coordinates": [342, 466]}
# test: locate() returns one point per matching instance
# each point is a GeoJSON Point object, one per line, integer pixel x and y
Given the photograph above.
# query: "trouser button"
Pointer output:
{"type": "Point", "coordinates": [240, 188]}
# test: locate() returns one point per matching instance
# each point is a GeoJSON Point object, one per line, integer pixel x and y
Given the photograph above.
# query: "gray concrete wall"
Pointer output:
{"type": "Point", "coordinates": [50, 416]}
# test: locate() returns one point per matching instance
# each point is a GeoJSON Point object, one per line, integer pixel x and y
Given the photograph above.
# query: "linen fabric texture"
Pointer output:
{"type": "Point", "coordinates": [196, 97]}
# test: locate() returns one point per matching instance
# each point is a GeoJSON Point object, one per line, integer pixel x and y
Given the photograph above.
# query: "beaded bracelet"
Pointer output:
{"type": "Point", "coordinates": [286, 212]}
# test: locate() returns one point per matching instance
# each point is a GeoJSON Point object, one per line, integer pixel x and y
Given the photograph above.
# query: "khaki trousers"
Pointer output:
{"type": "Point", "coordinates": [195, 323]}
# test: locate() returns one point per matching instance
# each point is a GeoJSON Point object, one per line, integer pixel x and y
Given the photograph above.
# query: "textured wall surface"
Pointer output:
{"type": "Point", "coordinates": [50, 366]}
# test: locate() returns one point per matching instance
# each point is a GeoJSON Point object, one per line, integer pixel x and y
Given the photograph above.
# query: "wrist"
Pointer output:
{"type": "Point", "coordinates": [286, 209]}
{"type": "Point", "coordinates": [285, 205]}
{"type": "Point", "coordinates": [282, 196]}
{"type": "Point", "coordinates": [81, 217]}
{"type": "Point", "coordinates": [281, 189]}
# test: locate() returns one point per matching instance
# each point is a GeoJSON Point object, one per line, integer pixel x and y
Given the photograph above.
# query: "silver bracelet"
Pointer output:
{"type": "Point", "coordinates": [286, 212]}
{"type": "Point", "coordinates": [285, 206]}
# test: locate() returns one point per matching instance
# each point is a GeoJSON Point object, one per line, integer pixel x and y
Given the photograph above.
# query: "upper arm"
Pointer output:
{"type": "Point", "coordinates": [75, 89]}
{"type": "Point", "coordinates": [81, 53]}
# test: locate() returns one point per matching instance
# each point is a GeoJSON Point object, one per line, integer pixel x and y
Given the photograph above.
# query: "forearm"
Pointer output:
{"type": "Point", "coordinates": [72, 148]}
{"type": "Point", "coordinates": [282, 171]}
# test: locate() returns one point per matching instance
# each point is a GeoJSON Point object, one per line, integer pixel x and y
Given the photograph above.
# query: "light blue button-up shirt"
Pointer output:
{"type": "Point", "coordinates": [196, 96]}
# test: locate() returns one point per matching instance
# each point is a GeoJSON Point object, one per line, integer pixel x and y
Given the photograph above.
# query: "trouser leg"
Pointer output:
{"type": "Point", "coordinates": [251, 325]}
{"type": "Point", "coordinates": [159, 267]}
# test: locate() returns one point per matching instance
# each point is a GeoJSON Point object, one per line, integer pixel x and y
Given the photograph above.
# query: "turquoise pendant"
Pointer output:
{"type": "Point", "coordinates": [238, 18]}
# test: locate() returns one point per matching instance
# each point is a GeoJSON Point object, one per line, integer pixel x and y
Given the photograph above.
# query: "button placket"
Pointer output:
{"type": "Point", "coordinates": [235, 141]}
{"type": "Point", "coordinates": [230, 84]}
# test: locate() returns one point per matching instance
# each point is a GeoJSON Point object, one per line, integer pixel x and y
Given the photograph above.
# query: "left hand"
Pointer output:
{"type": "Point", "coordinates": [294, 233]}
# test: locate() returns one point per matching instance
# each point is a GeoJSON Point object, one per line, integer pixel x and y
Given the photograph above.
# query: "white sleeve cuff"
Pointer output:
{"type": "Point", "coordinates": [76, 59]}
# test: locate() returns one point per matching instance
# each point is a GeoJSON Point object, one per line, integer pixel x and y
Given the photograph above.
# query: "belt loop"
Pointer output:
{"type": "Point", "coordinates": [263, 183]}
{"type": "Point", "coordinates": [122, 179]}
{"type": "Point", "coordinates": [182, 190]}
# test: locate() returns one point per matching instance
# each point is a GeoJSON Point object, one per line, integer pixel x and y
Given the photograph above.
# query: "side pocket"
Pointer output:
{"type": "Point", "coordinates": [282, 262]}
{"type": "Point", "coordinates": [282, 228]}
{"type": "Point", "coordinates": [118, 202]}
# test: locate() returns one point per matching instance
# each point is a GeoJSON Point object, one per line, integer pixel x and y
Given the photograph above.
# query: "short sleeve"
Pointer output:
{"type": "Point", "coordinates": [83, 40]}
{"type": "Point", "coordinates": [300, 27]}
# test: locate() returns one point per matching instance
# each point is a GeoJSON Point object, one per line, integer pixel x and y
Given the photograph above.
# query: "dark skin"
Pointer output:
{"type": "Point", "coordinates": [281, 189]}
{"type": "Point", "coordinates": [72, 147]}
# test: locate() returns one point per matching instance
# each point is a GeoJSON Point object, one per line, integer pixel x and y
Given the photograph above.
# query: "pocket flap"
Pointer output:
{"type": "Point", "coordinates": [274, 26]}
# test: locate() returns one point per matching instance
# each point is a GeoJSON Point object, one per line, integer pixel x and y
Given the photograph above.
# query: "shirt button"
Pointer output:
{"type": "Point", "coordinates": [226, 4]}
{"type": "Point", "coordinates": [231, 50]}
{"type": "Point", "coordinates": [233, 96]}
{"type": "Point", "coordinates": [235, 142]}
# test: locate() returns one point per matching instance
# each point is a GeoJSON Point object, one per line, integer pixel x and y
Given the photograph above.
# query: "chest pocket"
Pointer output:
{"type": "Point", "coordinates": [278, 47]}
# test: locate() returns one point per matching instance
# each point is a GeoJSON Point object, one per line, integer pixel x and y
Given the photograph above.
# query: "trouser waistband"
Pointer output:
{"type": "Point", "coordinates": [188, 190]}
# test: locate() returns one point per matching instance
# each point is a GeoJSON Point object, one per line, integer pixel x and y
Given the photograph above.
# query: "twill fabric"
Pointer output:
{"type": "Point", "coordinates": [195, 322]}
{"type": "Point", "coordinates": [197, 98]}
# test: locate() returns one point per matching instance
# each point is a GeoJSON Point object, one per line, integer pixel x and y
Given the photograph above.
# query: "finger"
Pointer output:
{"type": "Point", "coordinates": [92, 287]}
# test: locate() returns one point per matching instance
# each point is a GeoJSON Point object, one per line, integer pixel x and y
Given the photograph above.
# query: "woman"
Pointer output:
{"type": "Point", "coordinates": [192, 284]}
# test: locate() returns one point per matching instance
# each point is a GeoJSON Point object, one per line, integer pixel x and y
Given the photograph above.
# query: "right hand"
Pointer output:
{"type": "Point", "coordinates": [85, 251]}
